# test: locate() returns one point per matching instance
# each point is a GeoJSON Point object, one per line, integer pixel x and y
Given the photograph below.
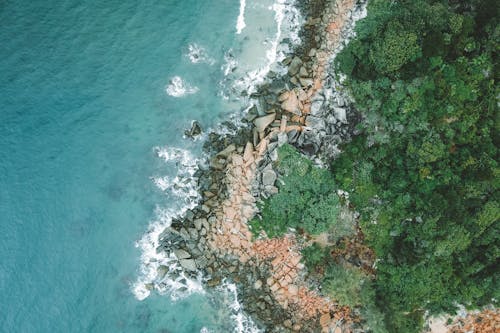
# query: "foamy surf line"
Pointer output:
{"type": "Point", "coordinates": [161, 271]}
{"type": "Point", "coordinates": [240, 23]}
{"type": "Point", "coordinates": [288, 21]}
{"type": "Point", "coordinates": [243, 322]}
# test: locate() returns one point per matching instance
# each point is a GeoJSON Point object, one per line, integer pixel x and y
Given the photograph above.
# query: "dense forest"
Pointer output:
{"type": "Point", "coordinates": [423, 172]}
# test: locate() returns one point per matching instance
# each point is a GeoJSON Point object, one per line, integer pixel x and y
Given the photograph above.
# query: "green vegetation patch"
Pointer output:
{"type": "Point", "coordinates": [424, 173]}
{"type": "Point", "coordinates": [306, 200]}
{"type": "Point", "coordinates": [346, 284]}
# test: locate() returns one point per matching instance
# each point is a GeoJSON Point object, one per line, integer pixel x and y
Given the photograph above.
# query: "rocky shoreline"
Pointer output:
{"type": "Point", "coordinates": [305, 108]}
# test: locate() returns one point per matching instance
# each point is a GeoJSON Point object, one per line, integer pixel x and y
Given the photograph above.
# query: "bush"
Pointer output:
{"type": "Point", "coordinates": [306, 198]}
{"type": "Point", "coordinates": [314, 255]}
{"type": "Point", "coordinates": [344, 285]}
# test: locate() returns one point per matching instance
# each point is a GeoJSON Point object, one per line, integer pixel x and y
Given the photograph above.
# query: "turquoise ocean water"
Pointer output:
{"type": "Point", "coordinates": [91, 94]}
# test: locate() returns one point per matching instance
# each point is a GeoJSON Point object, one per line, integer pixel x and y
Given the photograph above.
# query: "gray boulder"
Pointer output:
{"type": "Point", "coordinates": [181, 254]}
{"type": "Point", "coordinates": [188, 264]}
{"type": "Point", "coordinates": [340, 114]}
{"type": "Point", "coordinates": [294, 66]}
{"type": "Point", "coordinates": [268, 177]}
{"type": "Point", "coordinates": [315, 122]}
{"type": "Point", "coordinates": [316, 107]}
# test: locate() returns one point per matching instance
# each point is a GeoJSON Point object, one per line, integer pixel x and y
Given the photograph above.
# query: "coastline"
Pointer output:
{"type": "Point", "coordinates": [215, 238]}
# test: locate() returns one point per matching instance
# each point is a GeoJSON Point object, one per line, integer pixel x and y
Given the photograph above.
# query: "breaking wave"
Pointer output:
{"type": "Point", "coordinates": [159, 271]}
{"type": "Point", "coordinates": [178, 88]}
{"type": "Point", "coordinates": [240, 23]}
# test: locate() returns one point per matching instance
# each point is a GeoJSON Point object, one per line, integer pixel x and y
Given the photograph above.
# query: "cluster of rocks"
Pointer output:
{"type": "Point", "coordinates": [320, 115]}
{"type": "Point", "coordinates": [215, 237]}
{"type": "Point", "coordinates": [486, 320]}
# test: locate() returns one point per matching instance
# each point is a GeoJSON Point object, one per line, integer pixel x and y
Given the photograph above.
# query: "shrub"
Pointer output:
{"type": "Point", "coordinates": [306, 198]}
{"type": "Point", "coordinates": [344, 285]}
{"type": "Point", "coordinates": [314, 255]}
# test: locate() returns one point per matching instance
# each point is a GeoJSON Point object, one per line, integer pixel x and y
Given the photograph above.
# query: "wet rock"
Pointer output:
{"type": "Point", "coordinates": [189, 215]}
{"type": "Point", "coordinates": [162, 271]}
{"type": "Point", "coordinates": [198, 223]}
{"type": "Point", "coordinates": [208, 194]}
{"type": "Point", "coordinates": [294, 66]}
{"type": "Point", "coordinates": [216, 164]}
{"type": "Point", "coordinates": [181, 254]}
{"type": "Point", "coordinates": [193, 233]}
{"type": "Point", "coordinates": [184, 234]}
{"type": "Point", "coordinates": [227, 151]}
{"type": "Point", "coordinates": [252, 114]}
{"type": "Point", "coordinates": [257, 284]}
{"type": "Point", "coordinates": [273, 155]}
{"type": "Point", "coordinates": [188, 264]}
{"type": "Point", "coordinates": [255, 137]}
{"type": "Point", "coordinates": [214, 282]}
{"type": "Point", "coordinates": [191, 246]}
{"type": "Point", "coordinates": [303, 72]}
{"type": "Point", "coordinates": [170, 236]}
{"type": "Point", "coordinates": [201, 262]}
{"type": "Point", "coordinates": [194, 131]}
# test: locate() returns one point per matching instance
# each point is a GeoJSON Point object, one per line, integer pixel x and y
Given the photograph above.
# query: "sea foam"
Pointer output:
{"type": "Point", "coordinates": [160, 271]}
{"type": "Point", "coordinates": [240, 23]}
{"type": "Point", "coordinates": [178, 88]}
{"type": "Point", "coordinates": [288, 21]}
{"type": "Point", "coordinates": [198, 54]}
{"type": "Point", "coordinates": [243, 322]}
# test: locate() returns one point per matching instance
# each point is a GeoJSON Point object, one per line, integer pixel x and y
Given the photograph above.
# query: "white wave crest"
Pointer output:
{"type": "Point", "coordinates": [243, 322]}
{"type": "Point", "coordinates": [288, 22]}
{"type": "Point", "coordinates": [159, 271]}
{"type": "Point", "coordinates": [178, 88]}
{"type": "Point", "coordinates": [240, 24]}
{"type": "Point", "coordinates": [198, 54]}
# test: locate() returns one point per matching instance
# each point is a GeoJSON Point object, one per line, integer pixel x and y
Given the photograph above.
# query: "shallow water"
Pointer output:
{"type": "Point", "coordinates": [90, 93]}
